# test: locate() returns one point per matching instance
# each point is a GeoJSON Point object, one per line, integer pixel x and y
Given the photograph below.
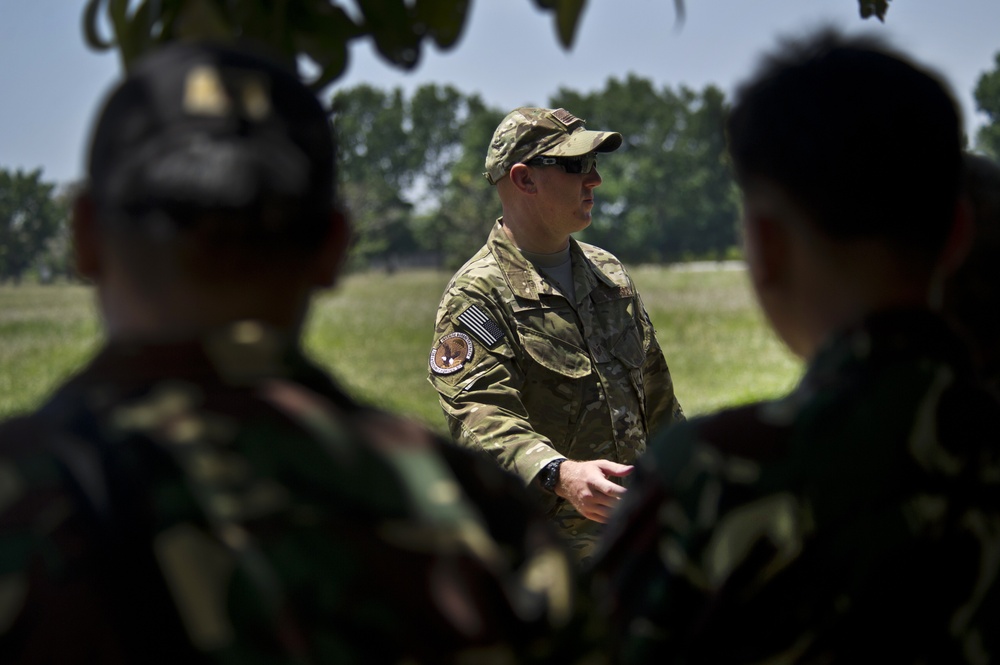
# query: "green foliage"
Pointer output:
{"type": "Point", "coordinates": [412, 171]}
{"type": "Point", "coordinates": [57, 262]}
{"type": "Point", "coordinates": [30, 216]}
{"type": "Point", "coordinates": [667, 193]}
{"type": "Point", "coordinates": [375, 332]}
{"type": "Point", "coordinates": [377, 163]}
{"type": "Point", "coordinates": [876, 8]}
{"type": "Point", "coordinates": [404, 170]}
{"type": "Point", "coordinates": [987, 95]}
{"type": "Point", "coordinates": [318, 31]}
{"type": "Point", "coordinates": [458, 228]}
{"type": "Point", "coordinates": [467, 204]}
{"type": "Point", "coordinates": [406, 163]}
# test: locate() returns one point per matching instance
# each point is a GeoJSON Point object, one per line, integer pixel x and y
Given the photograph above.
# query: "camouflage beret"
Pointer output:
{"type": "Point", "coordinates": [529, 132]}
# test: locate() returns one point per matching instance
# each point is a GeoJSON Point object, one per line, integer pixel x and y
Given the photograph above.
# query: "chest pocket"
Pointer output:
{"type": "Point", "coordinates": [555, 354]}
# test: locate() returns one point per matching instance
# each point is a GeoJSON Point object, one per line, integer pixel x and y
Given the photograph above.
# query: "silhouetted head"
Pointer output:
{"type": "Point", "coordinates": [863, 139]}
{"type": "Point", "coordinates": [211, 190]}
{"type": "Point", "coordinates": [207, 138]}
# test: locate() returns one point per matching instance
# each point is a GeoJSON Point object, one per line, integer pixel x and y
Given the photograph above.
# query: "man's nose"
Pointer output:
{"type": "Point", "coordinates": [592, 179]}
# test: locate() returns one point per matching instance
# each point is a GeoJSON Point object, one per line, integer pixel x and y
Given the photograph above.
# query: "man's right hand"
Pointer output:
{"type": "Point", "coordinates": [586, 485]}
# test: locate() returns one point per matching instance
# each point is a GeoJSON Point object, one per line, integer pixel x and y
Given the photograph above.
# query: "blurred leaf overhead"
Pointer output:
{"type": "Point", "coordinates": [319, 31]}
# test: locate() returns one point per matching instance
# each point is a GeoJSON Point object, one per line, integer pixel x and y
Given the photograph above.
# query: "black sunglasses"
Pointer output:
{"type": "Point", "coordinates": [582, 164]}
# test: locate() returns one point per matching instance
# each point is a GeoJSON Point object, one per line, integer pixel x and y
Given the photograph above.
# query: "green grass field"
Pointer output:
{"type": "Point", "coordinates": [375, 332]}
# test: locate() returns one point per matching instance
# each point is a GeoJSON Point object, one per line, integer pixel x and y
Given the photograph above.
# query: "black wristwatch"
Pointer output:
{"type": "Point", "coordinates": [550, 474]}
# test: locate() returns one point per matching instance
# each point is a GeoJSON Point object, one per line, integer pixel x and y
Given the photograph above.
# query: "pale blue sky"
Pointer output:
{"type": "Point", "coordinates": [52, 84]}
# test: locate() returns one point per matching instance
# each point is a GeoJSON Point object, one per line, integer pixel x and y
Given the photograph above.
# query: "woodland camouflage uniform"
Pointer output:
{"type": "Point", "coordinates": [853, 521]}
{"type": "Point", "coordinates": [223, 500]}
{"type": "Point", "coordinates": [857, 519]}
{"type": "Point", "coordinates": [214, 497]}
{"type": "Point", "coordinates": [547, 378]}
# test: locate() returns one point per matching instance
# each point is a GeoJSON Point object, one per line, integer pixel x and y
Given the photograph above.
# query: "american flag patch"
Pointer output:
{"type": "Point", "coordinates": [482, 326]}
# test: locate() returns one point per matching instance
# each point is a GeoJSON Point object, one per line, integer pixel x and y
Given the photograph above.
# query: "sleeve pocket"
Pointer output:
{"type": "Point", "coordinates": [629, 348]}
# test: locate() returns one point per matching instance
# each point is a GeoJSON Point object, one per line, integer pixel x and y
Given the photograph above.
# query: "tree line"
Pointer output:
{"type": "Point", "coordinates": [34, 227]}
{"type": "Point", "coordinates": [411, 175]}
{"type": "Point", "coordinates": [411, 172]}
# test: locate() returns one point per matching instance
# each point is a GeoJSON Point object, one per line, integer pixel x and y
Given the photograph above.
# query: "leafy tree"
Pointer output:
{"type": "Point", "coordinates": [411, 171]}
{"type": "Point", "coordinates": [29, 217]}
{"type": "Point", "coordinates": [398, 158]}
{"type": "Point", "coordinates": [376, 167]}
{"type": "Point", "coordinates": [667, 193]}
{"type": "Point", "coordinates": [468, 204]}
{"type": "Point", "coordinates": [317, 30]}
{"type": "Point", "coordinates": [437, 118]}
{"type": "Point", "coordinates": [381, 220]}
{"type": "Point", "coordinates": [401, 162]}
{"type": "Point", "coordinates": [56, 260]}
{"type": "Point", "coordinates": [987, 94]}
{"type": "Point", "coordinates": [706, 225]}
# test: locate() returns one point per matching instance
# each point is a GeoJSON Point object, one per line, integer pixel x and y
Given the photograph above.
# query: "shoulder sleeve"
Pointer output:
{"type": "Point", "coordinates": [474, 365]}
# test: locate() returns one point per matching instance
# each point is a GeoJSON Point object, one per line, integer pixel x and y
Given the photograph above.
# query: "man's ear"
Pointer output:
{"type": "Point", "coordinates": [960, 238]}
{"type": "Point", "coordinates": [86, 238]}
{"type": "Point", "coordinates": [333, 253]}
{"type": "Point", "coordinates": [521, 177]}
{"type": "Point", "coordinates": [766, 246]}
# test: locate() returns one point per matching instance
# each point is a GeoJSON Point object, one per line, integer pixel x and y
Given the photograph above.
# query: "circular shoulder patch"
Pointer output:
{"type": "Point", "coordinates": [451, 353]}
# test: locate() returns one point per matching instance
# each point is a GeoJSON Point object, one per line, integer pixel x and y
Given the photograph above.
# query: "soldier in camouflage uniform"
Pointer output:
{"type": "Point", "coordinates": [855, 520]}
{"type": "Point", "coordinates": [200, 492]}
{"type": "Point", "coordinates": [543, 355]}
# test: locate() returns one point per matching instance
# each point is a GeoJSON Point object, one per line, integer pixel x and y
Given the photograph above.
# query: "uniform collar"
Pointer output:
{"type": "Point", "coordinates": [527, 282]}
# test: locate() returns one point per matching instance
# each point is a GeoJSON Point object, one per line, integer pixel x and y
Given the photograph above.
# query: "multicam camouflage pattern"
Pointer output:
{"type": "Point", "coordinates": [854, 521]}
{"type": "Point", "coordinates": [223, 501]}
{"type": "Point", "coordinates": [584, 380]}
{"type": "Point", "coordinates": [530, 132]}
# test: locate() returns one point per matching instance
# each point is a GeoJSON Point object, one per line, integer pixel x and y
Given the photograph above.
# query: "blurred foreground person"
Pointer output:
{"type": "Point", "coordinates": [201, 492]}
{"type": "Point", "coordinates": [972, 294]}
{"type": "Point", "coordinates": [854, 520]}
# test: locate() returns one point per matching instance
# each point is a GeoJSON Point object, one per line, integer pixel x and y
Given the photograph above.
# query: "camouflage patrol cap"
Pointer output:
{"type": "Point", "coordinates": [529, 132]}
{"type": "Point", "coordinates": [197, 127]}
